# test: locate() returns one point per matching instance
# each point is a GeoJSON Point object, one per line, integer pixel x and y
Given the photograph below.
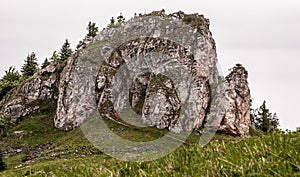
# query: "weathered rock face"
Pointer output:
{"type": "Point", "coordinates": [237, 117]}
{"type": "Point", "coordinates": [95, 79]}
{"type": "Point", "coordinates": [203, 70]}
{"type": "Point", "coordinates": [161, 106]}
{"type": "Point", "coordinates": [73, 109]}
{"type": "Point", "coordinates": [154, 96]}
{"type": "Point", "coordinates": [24, 100]}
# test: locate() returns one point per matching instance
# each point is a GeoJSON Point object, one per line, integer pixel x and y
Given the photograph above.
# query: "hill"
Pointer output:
{"type": "Point", "coordinates": [35, 148]}
{"type": "Point", "coordinates": [43, 114]}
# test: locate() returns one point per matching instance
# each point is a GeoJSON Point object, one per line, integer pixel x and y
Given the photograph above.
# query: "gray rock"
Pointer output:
{"type": "Point", "coordinates": [24, 99]}
{"type": "Point", "coordinates": [160, 103]}
{"type": "Point", "coordinates": [108, 73]}
{"type": "Point", "coordinates": [237, 117]}
{"type": "Point", "coordinates": [152, 102]}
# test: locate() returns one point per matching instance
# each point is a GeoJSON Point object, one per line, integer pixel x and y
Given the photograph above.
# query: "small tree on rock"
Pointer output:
{"type": "Point", "coordinates": [112, 23]}
{"type": "Point", "coordinates": [45, 63]}
{"type": "Point", "coordinates": [92, 29]}
{"type": "Point", "coordinates": [30, 66]}
{"type": "Point", "coordinates": [65, 51]}
{"type": "Point", "coordinates": [55, 56]}
{"type": "Point", "coordinates": [121, 19]}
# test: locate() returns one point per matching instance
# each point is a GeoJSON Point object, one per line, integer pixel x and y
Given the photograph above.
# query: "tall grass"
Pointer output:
{"type": "Point", "coordinates": [269, 155]}
{"type": "Point", "coordinates": [273, 154]}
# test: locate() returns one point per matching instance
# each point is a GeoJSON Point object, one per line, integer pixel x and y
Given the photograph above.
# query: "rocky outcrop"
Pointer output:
{"type": "Point", "coordinates": [151, 95]}
{"type": "Point", "coordinates": [76, 90]}
{"type": "Point", "coordinates": [237, 116]}
{"type": "Point", "coordinates": [196, 54]}
{"type": "Point", "coordinates": [157, 101]}
{"type": "Point", "coordinates": [25, 99]}
{"type": "Point", "coordinates": [107, 74]}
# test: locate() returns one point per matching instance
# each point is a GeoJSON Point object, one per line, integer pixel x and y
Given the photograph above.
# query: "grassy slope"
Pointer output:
{"type": "Point", "coordinates": [269, 155]}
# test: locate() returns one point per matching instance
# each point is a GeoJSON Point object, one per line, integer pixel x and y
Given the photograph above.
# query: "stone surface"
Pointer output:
{"type": "Point", "coordinates": [24, 99]}
{"type": "Point", "coordinates": [98, 77]}
{"type": "Point", "coordinates": [159, 103]}
{"type": "Point", "coordinates": [76, 98]}
{"type": "Point", "coordinates": [237, 117]}
{"type": "Point", "coordinates": [158, 92]}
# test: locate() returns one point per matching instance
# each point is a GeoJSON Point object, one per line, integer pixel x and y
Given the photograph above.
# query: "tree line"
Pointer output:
{"type": "Point", "coordinates": [262, 119]}
{"type": "Point", "coordinates": [12, 78]}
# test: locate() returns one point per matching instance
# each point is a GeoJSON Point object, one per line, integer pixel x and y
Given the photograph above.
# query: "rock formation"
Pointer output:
{"type": "Point", "coordinates": [160, 104]}
{"type": "Point", "coordinates": [237, 117]}
{"type": "Point", "coordinates": [92, 75]}
{"type": "Point", "coordinates": [25, 99]}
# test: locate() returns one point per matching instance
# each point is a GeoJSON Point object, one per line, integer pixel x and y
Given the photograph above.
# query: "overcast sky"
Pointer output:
{"type": "Point", "coordinates": [263, 35]}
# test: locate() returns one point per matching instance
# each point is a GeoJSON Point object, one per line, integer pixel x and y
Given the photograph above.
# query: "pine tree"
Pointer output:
{"type": "Point", "coordinates": [55, 56]}
{"type": "Point", "coordinates": [65, 51]}
{"type": "Point", "coordinates": [112, 23]}
{"type": "Point", "coordinates": [265, 120]}
{"type": "Point", "coordinates": [121, 19]}
{"type": "Point", "coordinates": [92, 30]}
{"type": "Point", "coordinates": [275, 121]}
{"type": "Point", "coordinates": [45, 63]}
{"type": "Point", "coordinates": [112, 20]}
{"type": "Point", "coordinates": [30, 66]}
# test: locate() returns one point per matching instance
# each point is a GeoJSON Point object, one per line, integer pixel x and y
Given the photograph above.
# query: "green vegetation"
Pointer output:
{"type": "Point", "coordinates": [65, 51]}
{"type": "Point", "coordinates": [234, 69]}
{"type": "Point", "coordinates": [269, 155]}
{"type": "Point", "coordinates": [45, 63]}
{"type": "Point", "coordinates": [55, 56]}
{"type": "Point", "coordinates": [112, 23]}
{"type": "Point", "coordinates": [10, 80]}
{"type": "Point", "coordinates": [92, 30]}
{"type": "Point", "coordinates": [120, 21]}
{"type": "Point", "coordinates": [71, 154]}
{"type": "Point", "coordinates": [35, 148]}
{"type": "Point", "coordinates": [4, 121]}
{"type": "Point", "coordinates": [2, 164]}
{"type": "Point", "coordinates": [263, 119]}
{"type": "Point", "coordinates": [30, 66]}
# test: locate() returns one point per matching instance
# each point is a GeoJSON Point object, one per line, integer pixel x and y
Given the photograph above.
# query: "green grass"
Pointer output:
{"type": "Point", "coordinates": [269, 155]}
{"type": "Point", "coordinates": [273, 154]}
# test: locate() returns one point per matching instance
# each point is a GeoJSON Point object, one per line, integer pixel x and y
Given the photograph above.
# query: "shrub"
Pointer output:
{"type": "Point", "coordinates": [10, 80]}
{"type": "Point", "coordinates": [4, 120]}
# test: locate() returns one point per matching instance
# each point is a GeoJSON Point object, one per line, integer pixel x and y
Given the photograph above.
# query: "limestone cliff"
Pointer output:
{"type": "Point", "coordinates": [89, 80]}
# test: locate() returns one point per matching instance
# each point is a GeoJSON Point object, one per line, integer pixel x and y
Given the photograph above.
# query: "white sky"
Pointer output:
{"type": "Point", "coordinates": [262, 35]}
